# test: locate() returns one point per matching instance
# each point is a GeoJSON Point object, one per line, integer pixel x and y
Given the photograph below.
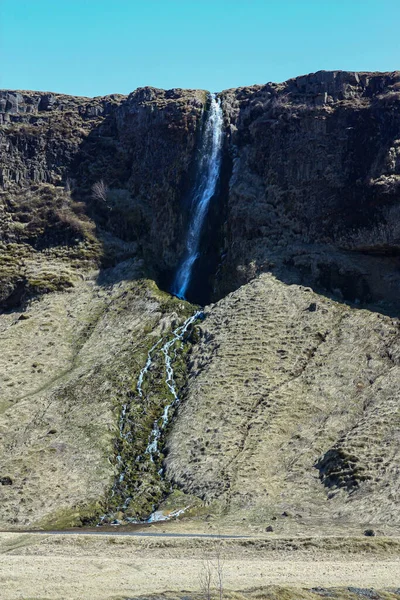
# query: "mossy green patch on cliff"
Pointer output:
{"type": "Point", "coordinates": [140, 485]}
{"type": "Point", "coordinates": [44, 216]}
{"type": "Point", "coordinates": [47, 243]}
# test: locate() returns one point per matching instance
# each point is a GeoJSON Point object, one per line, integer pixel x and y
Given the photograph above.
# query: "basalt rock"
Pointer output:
{"type": "Point", "coordinates": [138, 149]}
{"type": "Point", "coordinates": [315, 188]}
{"type": "Point", "coordinates": [310, 185]}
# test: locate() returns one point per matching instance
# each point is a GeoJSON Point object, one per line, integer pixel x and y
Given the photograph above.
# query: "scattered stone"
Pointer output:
{"type": "Point", "coordinates": [23, 317]}
{"type": "Point", "coordinates": [312, 307]}
{"type": "Point", "coordinates": [365, 593]}
{"type": "Point", "coordinates": [323, 592]}
{"type": "Point", "coordinates": [269, 528]}
{"type": "Point", "coordinates": [6, 481]}
{"type": "Point", "coordinates": [369, 533]}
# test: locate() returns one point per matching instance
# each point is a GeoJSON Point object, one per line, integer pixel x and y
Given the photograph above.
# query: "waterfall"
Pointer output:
{"type": "Point", "coordinates": [208, 173]}
{"type": "Point", "coordinates": [206, 181]}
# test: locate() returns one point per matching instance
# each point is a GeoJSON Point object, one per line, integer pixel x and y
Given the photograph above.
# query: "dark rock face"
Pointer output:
{"type": "Point", "coordinates": [340, 469]}
{"type": "Point", "coordinates": [310, 187]}
{"type": "Point", "coordinates": [41, 134]}
{"type": "Point", "coordinates": [5, 480]}
{"type": "Point", "coordinates": [147, 148]}
{"type": "Point", "coordinates": [315, 188]}
{"type": "Point", "coordinates": [54, 148]}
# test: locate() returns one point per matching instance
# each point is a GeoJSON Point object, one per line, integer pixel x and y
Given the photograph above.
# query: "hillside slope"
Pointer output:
{"type": "Point", "coordinates": [69, 364]}
{"type": "Point", "coordinates": [293, 404]}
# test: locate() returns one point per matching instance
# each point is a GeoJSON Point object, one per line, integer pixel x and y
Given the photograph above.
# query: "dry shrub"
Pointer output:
{"type": "Point", "coordinates": [384, 233]}
{"type": "Point", "coordinates": [80, 227]}
{"type": "Point", "coordinates": [211, 575]}
{"type": "Point", "coordinates": [100, 191]}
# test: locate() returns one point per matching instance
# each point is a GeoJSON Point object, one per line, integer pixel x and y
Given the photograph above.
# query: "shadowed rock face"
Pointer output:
{"type": "Point", "coordinates": [54, 148]}
{"type": "Point", "coordinates": [315, 188]}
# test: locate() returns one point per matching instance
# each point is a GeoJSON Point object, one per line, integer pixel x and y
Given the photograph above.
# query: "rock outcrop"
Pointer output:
{"type": "Point", "coordinates": [309, 188]}
{"type": "Point", "coordinates": [139, 150]}
{"type": "Point", "coordinates": [315, 189]}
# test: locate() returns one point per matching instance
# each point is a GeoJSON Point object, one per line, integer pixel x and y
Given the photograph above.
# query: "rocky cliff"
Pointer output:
{"type": "Point", "coordinates": [309, 188]}
{"type": "Point", "coordinates": [289, 386]}
{"type": "Point", "coordinates": [138, 151]}
{"type": "Point", "coordinates": [315, 186]}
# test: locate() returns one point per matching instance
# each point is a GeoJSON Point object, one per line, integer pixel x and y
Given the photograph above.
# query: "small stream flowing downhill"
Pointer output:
{"type": "Point", "coordinates": [206, 181]}
{"type": "Point", "coordinates": [168, 347]}
{"type": "Point", "coordinates": [169, 353]}
{"type": "Point", "coordinates": [208, 173]}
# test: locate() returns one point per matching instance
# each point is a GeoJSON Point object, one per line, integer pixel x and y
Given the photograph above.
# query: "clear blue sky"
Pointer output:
{"type": "Point", "coordinates": [96, 47]}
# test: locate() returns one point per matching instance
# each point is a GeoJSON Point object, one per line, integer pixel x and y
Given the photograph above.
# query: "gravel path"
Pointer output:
{"type": "Point", "coordinates": [96, 567]}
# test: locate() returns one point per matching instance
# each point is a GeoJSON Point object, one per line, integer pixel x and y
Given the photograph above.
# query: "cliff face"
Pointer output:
{"type": "Point", "coordinates": [138, 150]}
{"type": "Point", "coordinates": [315, 188]}
{"type": "Point", "coordinates": [309, 189]}
{"type": "Point", "coordinates": [41, 134]}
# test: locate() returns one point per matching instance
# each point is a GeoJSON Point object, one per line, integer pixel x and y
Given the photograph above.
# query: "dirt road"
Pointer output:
{"type": "Point", "coordinates": [100, 567]}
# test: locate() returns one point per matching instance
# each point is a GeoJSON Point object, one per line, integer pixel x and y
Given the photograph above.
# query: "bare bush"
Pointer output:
{"type": "Point", "coordinates": [211, 576]}
{"type": "Point", "coordinates": [100, 191]}
{"type": "Point", "coordinates": [219, 567]}
{"type": "Point", "coordinates": [206, 578]}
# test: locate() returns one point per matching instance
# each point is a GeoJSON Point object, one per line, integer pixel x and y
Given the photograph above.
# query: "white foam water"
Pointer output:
{"type": "Point", "coordinates": [169, 352]}
{"type": "Point", "coordinates": [208, 172]}
{"type": "Point", "coordinates": [158, 426]}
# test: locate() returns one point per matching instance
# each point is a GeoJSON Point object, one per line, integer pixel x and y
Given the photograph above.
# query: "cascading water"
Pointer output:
{"type": "Point", "coordinates": [208, 173]}
{"type": "Point", "coordinates": [168, 348]}
{"type": "Point", "coordinates": [177, 335]}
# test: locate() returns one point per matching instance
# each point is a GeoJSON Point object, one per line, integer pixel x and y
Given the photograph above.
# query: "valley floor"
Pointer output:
{"type": "Point", "coordinates": [93, 567]}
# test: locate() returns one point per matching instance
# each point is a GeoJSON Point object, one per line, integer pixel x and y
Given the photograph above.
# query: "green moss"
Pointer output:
{"type": "Point", "coordinates": [178, 500]}
{"type": "Point", "coordinates": [4, 405]}
{"type": "Point", "coordinates": [142, 481]}
{"type": "Point", "coordinates": [66, 518]}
